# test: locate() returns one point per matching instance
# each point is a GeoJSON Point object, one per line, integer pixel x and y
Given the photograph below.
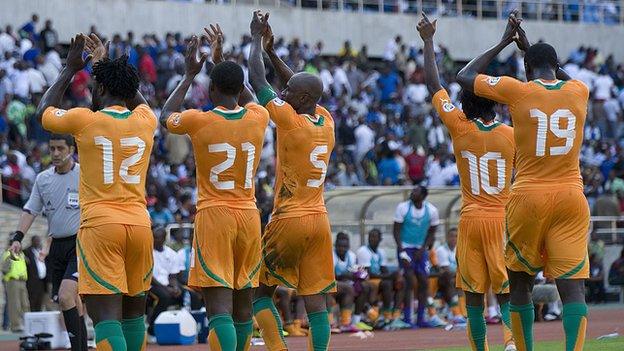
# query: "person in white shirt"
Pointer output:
{"type": "Point", "coordinates": [447, 265]}
{"type": "Point", "coordinates": [48, 69]}
{"type": "Point", "coordinates": [20, 80]}
{"type": "Point", "coordinates": [381, 280]}
{"type": "Point", "coordinates": [165, 284]}
{"type": "Point", "coordinates": [37, 81]}
{"type": "Point", "coordinates": [364, 140]}
{"type": "Point", "coordinates": [344, 269]}
{"type": "Point", "coordinates": [415, 224]}
{"type": "Point", "coordinates": [392, 48]}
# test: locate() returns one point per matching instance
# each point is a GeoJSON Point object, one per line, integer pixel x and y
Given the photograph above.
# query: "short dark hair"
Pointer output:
{"type": "Point", "coordinates": [423, 189]}
{"type": "Point", "coordinates": [69, 140]}
{"type": "Point", "coordinates": [227, 77]}
{"type": "Point", "coordinates": [342, 236]}
{"type": "Point", "coordinates": [541, 55]}
{"type": "Point", "coordinates": [119, 77]}
{"type": "Point", "coordinates": [475, 107]}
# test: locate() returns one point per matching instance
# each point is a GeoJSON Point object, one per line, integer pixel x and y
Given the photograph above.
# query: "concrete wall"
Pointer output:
{"type": "Point", "coordinates": [464, 37]}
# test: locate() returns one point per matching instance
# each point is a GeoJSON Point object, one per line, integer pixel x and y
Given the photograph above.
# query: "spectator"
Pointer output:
{"type": "Point", "coordinates": [616, 272]}
{"type": "Point", "coordinates": [15, 274]}
{"type": "Point", "coordinates": [49, 37]}
{"type": "Point", "coordinates": [344, 267]}
{"type": "Point", "coordinates": [595, 284]}
{"type": "Point", "coordinates": [161, 215]}
{"type": "Point", "coordinates": [11, 176]}
{"type": "Point", "coordinates": [165, 288]}
{"type": "Point", "coordinates": [447, 264]}
{"type": "Point", "coordinates": [28, 30]}
{"type": "Point", "coordinates": [389, 169]}
{"type": "Point", "coordinates": [36, 270]}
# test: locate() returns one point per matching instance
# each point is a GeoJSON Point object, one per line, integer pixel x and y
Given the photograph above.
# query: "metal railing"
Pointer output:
{"type": "Point", "coordinates": [603, 12]}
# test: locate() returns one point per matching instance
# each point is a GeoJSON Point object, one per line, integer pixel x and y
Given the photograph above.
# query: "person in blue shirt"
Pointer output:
{"type": "Point", "coordinates": [160, 215]}
{"type": "Point", "coordinates": [390, 83]}
{"type": "Point", "coordinates": [415, 224]}
{"type": "Point", "coordinates": [389, 169]}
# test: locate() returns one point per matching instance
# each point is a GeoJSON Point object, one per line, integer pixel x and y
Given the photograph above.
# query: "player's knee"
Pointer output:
{"type": "Point", "coordinates": [67, 296]}
{"type": "Point", "coordinates": [242, 313]}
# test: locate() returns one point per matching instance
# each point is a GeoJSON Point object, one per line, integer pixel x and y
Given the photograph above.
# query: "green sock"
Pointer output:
{"type": "Point", "coordinates": [109, 332]}
{"type": "Point", "coordinates": [243, 335]}
{"type": "Point", "coordinates": [270, 322]}
{"type": "Point", "coordinates": [476, 327]}
{"type": "Point", "coordinates": [504, 307]}
{"type": "Point", "coordinates": [134, 333]}
{"type": "Point", "coordinates": [574, 324]}
{"type": "Point", "coordinates": [320, 330]}
{"type": "Point", "coordinates": [223, 326]}
{"type": "Point", "coordinates": [522, 317]}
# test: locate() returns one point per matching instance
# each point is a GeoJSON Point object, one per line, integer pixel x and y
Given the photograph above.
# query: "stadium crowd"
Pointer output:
{"type": "Point", "coordinates": [387, 134]}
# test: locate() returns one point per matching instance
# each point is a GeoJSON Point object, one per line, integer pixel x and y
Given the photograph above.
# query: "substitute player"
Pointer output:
{"type": "Point", "coordinates": [114, 143]}
{"type": "Point", "coordinates": [484, 149]}
{"type": "Point", "coordinates": [226, 143]}
{"type": "Point", "coordinates": [547, 215]}
{"type": "Point", "coordinates": [297, 247]}
{"type": "Point", "coordinates": [55, 194]}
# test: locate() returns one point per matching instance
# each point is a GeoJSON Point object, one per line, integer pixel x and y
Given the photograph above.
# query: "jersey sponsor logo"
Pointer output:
{"type": "Point", "coordinates": [493, 80]}
{"type": "Point", "coordinates": [278, 102]}
{"type": "Point", "coordinates": [175, 119]}
{"type": "Point", "coordinates": [447, 106]}
{"type": "Point", "coordinates": [60, 112]}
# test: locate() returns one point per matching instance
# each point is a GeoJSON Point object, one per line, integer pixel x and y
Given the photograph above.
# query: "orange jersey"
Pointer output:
{"type": "Point", "coordinates": [304, 145]}
{"type": "Point", "coordinates": [548, 119]}
{"type": "Point", "coordinates": [227, 146]}
{"type": "Point", "coordinates": [114, 147]}
{"type": "Point", "coordinates": [484, 155]}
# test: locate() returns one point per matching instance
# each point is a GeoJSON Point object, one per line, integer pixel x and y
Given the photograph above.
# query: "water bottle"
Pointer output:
{"type": "Point", "coordinates": [186, 302]}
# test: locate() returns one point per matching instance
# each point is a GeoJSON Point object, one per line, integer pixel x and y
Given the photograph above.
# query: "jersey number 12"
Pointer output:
{"type": "Point", "coordinates": [107, 159]}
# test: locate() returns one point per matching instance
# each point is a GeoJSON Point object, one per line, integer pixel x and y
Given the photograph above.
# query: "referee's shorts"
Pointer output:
{"type": "Point", "coordinates": [62, 263]}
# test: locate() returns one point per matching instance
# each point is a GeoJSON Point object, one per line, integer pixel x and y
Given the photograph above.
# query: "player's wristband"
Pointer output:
{"type": "Point", "coordinates": [16, 236]}
{"type": "Point", "coordinates": [404, 256]}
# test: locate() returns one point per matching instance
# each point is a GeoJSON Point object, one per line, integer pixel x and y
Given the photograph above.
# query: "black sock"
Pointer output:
{"type": "Point", "coordinates": [83, 334]}
{"type": "Point", "coordinates": [72, 323]}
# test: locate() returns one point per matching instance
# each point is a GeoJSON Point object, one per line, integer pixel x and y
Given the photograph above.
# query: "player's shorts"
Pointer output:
{"type": "Point", "coordinates": [548, 231]}
{"type": "Point", "coordinates": [297, 253]}
{"type": "Point", "coordinates": [420, 266]}
{"type": "Point", "coordinates": [481, 255]}
{"type": "Point", "coordinates": [226, 248]}
{"type": "Point", "coordinates": [62, 263]}
{"type": "Point", "coordinates": [115, 259]}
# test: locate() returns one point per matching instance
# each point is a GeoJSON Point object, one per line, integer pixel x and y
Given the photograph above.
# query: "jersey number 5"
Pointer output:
{"type": "Point", "coordinates": [107, 159]}
{"type": "Point", "coordinates": [542, 129]}
{"type": "Point", "coordinates": [229, 162]}
{"type": "Point", "coordinates": [478, 168]}
{"type": "Point", "coordinates": [318, 164]}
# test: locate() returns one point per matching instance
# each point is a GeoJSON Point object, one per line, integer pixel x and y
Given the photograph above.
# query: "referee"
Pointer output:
{"type": "Point", "coordinates": [55, 194]}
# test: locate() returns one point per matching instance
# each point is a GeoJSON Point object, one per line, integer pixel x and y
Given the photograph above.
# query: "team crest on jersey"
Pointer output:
{"type": "Point", "coordinates": [60, 112]}
{"type": "Point", "coordinates": [175, 119]}
{"type": "Point", "coordinates": [493, 80]}
{"type": "Point", "coordinates": [447, 106]}
{"type": "Point", "coordinates": [279, 102]}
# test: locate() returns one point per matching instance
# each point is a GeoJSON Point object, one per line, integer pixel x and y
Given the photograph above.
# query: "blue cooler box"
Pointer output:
{"type": "Point", "coordinates": [202, 325]}
{"type": "Point", "coordinates": [175, 328]}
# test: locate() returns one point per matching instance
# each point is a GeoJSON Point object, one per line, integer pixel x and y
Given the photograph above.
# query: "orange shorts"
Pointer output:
{"type": "Point", "coordinates": [481, 255]}
{"type": "Point", "coordinates": [548, 231]}
{"type": "Point", "coordinates": [297, 253]}
{"type": "Point", "coordinates": [226, 248]}
{"type": "Point", "coordinates": [115, 259]}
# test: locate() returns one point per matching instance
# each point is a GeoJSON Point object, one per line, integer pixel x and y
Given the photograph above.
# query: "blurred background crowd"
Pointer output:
{"type": "Point", "coordinates": [386, 131]}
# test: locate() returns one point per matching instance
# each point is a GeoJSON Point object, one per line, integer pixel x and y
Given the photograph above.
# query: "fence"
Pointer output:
{"type": "Point", "coordinates": [605, 12]}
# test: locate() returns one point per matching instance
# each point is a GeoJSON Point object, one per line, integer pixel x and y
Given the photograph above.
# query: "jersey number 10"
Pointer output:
{"type": "Point", "coordinates": [478, 167]}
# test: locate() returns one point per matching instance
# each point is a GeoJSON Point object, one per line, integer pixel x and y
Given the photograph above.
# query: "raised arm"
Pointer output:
{"type": "Point", "coordinates": [99, 51]}
{"type": "Point", "coordinates": [466, 77]}
{"type": "Point", "coordinates": [215, 38]}
{"type": "Point", "coordinates": [281, 68]}
{"type": "Point", "coordinates": [523, 43]}
{"type": "Point", "coordinates": [193, 66]}
{"type": "Point", "coordinates": [74, 63]}
{"type": "Point", "coordinates": [427, 30]}
{"type": "Point", "coordinates": [257, 71]}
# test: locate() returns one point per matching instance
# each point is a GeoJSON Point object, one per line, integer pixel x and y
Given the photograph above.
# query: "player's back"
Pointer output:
{"type": "Point", "coordinates": [227, 146]}
{"type": "Point", "coordinates": [548, 118]}
{"type": "Point", "coordinates": [114, 147]}
{"type": "Point", "coordinates": [485, 157]}
{"type": "Point", "coordinates": [304, 146]}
